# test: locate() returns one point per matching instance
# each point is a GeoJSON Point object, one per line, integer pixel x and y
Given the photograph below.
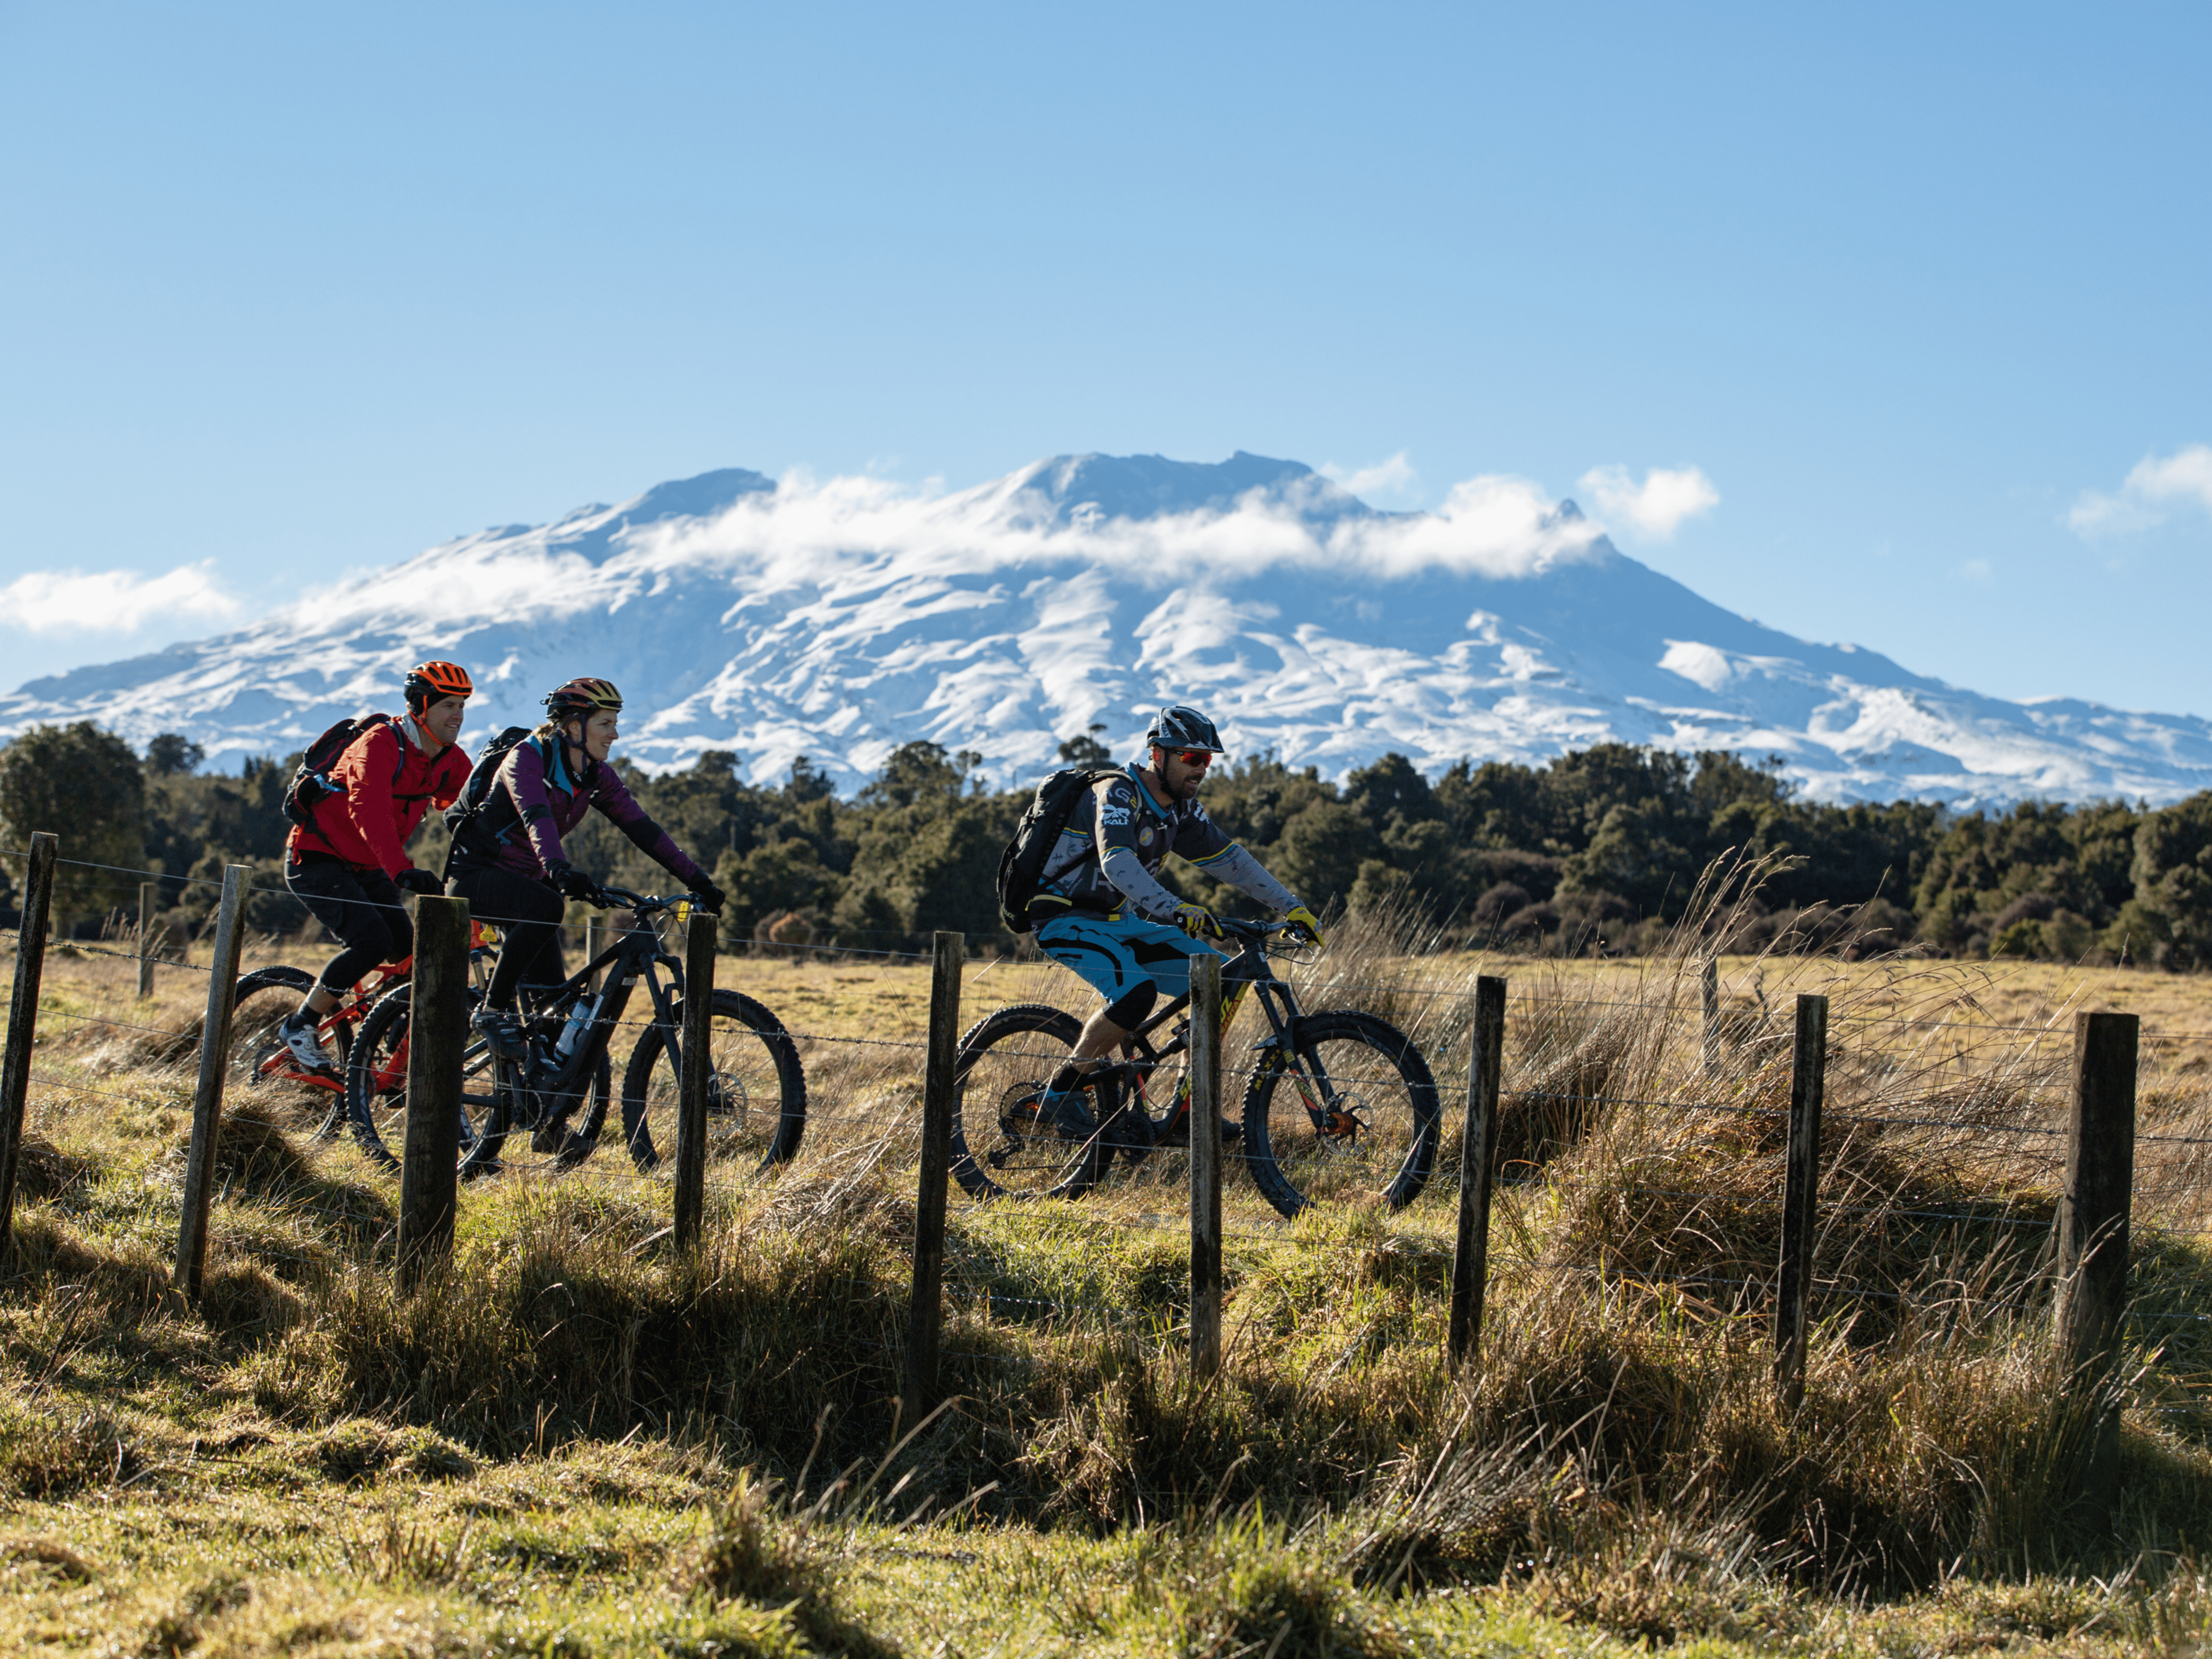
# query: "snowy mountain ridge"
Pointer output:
{"type": "Point", "coordinates": [839, 618]}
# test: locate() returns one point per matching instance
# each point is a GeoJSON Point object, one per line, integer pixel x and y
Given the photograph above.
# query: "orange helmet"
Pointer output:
{"type": "Point", "coordinates": [584, 697]}
{"type": "Point", "coordinates": [427, 682]}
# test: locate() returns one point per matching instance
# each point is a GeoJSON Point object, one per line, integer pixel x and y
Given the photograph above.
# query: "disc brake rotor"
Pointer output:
{"type": "Point", "coordinates": [726, 1097]}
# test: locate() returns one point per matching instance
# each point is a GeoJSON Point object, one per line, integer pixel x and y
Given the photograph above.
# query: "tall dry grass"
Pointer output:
{"type": "Point", "coordinates": [1619, 1441]}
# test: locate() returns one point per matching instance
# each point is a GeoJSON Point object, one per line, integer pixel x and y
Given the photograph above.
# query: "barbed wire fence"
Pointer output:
{"type": "Point", "coordinates": [2065, 1197]}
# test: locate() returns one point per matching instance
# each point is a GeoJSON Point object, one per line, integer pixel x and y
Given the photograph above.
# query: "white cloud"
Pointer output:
{"type": "Point", "coordinates": [111, 601]}
{"type": "Point", "coordinates": [1489, 526]}
{"type": "Point", "coordinates": [2151, 486]}
{"type": "Point", "coordinates": [1390, 480]}
{"type": "Point", "coordinates": [1658, 505]}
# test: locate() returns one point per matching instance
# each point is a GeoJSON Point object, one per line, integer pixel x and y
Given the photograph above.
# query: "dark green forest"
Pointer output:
{"type": "Point", "coordinates": [1598, 852]}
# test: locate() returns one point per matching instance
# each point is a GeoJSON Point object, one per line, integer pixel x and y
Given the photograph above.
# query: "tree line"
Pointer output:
{"type": "Point", "coordinates": [1599, 851]}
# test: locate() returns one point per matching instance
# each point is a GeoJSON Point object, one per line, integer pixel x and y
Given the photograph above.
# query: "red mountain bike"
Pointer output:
{"type": "Point", "coordinates": [266, 996]}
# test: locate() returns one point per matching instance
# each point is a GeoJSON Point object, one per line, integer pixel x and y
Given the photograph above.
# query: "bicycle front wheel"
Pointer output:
{"type": "Point", "coordinates": [755, 1088]}
{"type": "Point", "coordinates": [1000, 1146]}
{"type": "Point", "coordinates": [1346, 1112]}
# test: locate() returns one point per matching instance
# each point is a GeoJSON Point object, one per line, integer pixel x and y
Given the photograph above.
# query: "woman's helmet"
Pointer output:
{"type": "Point", "coordinates": [427, 682]}
{"type": "Point", "coordinates": [583, 697]}
{"type": "Point", "coordinates": [1177, 726]}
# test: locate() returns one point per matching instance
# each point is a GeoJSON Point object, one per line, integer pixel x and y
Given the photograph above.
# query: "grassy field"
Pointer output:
{"type": "Point", "coordinates": [574, 1442]}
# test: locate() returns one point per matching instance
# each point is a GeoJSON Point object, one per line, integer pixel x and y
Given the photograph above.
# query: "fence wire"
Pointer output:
{"type": "Point", "coordinates": [989, 1286]}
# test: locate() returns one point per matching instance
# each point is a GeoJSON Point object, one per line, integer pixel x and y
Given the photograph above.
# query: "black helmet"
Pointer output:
{"type": "Point", "coordinates": [1180, 727]}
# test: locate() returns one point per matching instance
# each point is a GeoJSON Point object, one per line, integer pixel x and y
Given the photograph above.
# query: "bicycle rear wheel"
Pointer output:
{"type": "Point", "coordinates": [257, 1058]}
{"type": "Point", "coordinates": [999, 1149]}
{"type": "Point", "coordinates": [1346, 1112]}
{"type": "Point", "coordinates": [755, 1088]}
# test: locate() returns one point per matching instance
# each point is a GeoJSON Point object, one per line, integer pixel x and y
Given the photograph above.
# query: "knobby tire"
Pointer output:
{"type": "Point", "coordinates": [1375, 1065]}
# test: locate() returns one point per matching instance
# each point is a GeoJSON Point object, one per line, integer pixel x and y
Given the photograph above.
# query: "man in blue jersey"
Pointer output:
{"type": "Point", "coordinates": [1100, 909]}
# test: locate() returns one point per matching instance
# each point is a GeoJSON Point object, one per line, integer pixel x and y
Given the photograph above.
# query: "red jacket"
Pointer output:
{"type": "Point", "coordinates": [368, 825]}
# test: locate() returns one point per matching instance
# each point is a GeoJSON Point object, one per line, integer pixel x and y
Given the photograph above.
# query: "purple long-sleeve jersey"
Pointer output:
{"type": "Point", "coordinates": [547, 801]}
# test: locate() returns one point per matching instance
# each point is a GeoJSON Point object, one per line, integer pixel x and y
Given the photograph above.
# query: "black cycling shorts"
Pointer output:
{"type": "Point", "coordinates": [362, 907]}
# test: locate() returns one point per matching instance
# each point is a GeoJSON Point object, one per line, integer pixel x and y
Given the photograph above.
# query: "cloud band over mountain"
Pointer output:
{"type": "Point", "coordinates": [837, 618]}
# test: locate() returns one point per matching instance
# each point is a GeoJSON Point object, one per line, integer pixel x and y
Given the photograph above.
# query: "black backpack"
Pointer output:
{"type": "Point", "coordinates": [310, 783]}
{"type": "Point", "coordinates": [461, 817]}
{"type": "Point", "coordinates": [1022, 865]}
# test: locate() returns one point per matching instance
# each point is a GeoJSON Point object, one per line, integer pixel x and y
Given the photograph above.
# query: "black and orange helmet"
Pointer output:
{"type": "Point", "coordinates": [427, 682]}
{"type": "Point", "coordinates": [584, 697]}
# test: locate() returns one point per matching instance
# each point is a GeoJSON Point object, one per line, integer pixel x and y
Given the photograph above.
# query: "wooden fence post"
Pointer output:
{"type": "Point", "coordinates": [1709, 989]}
{"type": "Point", "coordinates": [437, 1042]}
{"type": "Point", "coordinates": [147, 942]}
{"type": "Point", "coordinates": [23, 1022]}
{"type": "Point", "coordinates": [592, 948]}
{"type": "Point", "coordinates": [925, 1309]}
{"type": "Point", "coordinates": [1205, 1163]}
{"type": "Point", "coordinates": [697, 1076]}
{"type": "Point", "coordinates": [207, 1099]}
{"type": "Point", "coordinates": [2093, 1231]}
{"type": "Point", "coordinates": [1477, 1153]}
{"type": "Point", "coordinates": [1793, 1286]}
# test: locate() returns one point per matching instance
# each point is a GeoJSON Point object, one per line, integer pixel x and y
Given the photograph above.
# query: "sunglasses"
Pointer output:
{"type": "Point", "coordinates": [1198, 757]}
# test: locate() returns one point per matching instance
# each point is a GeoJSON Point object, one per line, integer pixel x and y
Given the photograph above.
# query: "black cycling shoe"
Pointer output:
{"type": "Point", "coordinates": [502, 1031]}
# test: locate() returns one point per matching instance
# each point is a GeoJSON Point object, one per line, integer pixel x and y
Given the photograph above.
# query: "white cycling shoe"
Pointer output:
{"type": "Point", "coordinates": [300, 1035]}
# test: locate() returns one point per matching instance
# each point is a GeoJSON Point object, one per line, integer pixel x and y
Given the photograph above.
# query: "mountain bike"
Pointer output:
{"type": "Point", "coordinates": [559, 1095]}
{"type": "Point", "coordinates": [1338, 1104]}
{"type": "Point", "coordinates": [264, 998]}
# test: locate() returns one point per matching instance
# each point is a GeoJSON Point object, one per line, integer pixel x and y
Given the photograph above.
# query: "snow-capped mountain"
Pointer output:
{"type": "Point", "coordinates": [839, 619]}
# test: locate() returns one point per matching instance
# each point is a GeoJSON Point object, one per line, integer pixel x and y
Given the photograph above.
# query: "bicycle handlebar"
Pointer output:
{"type": "Point", "coordinates": [1252, 932]}
{"type": "Point", "coordinates": [646, 904]}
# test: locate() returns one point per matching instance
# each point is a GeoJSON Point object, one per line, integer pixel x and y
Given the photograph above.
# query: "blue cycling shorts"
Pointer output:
{"type": "Point", "coordinates": [1114, 956]}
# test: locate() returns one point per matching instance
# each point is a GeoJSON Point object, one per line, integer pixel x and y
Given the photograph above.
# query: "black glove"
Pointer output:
{"type": "Point", "coordinates": [711, 898]}
{"type": "Point", "coordinates": [571, 883]}
{"type": "Point", "coordinates": [419, 881]}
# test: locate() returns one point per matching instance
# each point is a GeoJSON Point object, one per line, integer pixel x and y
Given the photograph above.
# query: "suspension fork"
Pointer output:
{"type": "Point", "coordinates": [1302, 1069]}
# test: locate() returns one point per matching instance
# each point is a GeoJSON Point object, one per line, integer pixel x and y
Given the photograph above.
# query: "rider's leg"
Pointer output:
{"type": "Point", "coordinates": [363, 910]}
{"type": "Point", "coordinates": [528, 909]}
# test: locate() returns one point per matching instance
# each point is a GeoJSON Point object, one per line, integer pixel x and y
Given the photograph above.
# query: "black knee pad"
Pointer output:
{"type": "Point", "coordinates": [1129, 1011]}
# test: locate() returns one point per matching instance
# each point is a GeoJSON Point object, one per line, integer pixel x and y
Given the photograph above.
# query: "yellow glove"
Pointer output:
{"type": "Point", "coordinates": [1300, 917]}
{"type": "Point", "coordinates": [1198, 921]}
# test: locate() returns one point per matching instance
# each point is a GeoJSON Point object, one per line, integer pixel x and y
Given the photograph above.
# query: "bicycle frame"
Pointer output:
{"type": "Point", "coordinates": [361, 996]}
{"type": "Point", "coordinates": [639, 953]}
{"type": "Point", "coordinates": [1248, 970]}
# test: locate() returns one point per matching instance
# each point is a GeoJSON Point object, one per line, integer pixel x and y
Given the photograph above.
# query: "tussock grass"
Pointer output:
{"type": "Point", "coordinates": [573, 1437]}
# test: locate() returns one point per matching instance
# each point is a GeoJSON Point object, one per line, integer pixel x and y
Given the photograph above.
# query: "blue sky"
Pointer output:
{"type": "Point", "coordinates": [1920, 293]}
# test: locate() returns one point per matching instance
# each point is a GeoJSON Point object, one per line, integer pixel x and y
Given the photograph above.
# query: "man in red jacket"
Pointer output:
{"type": "Point", "coordinates": [348, 863]}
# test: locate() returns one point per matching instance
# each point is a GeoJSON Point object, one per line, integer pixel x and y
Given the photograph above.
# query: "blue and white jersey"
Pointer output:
{"type": "Point", "coordinates": [1117, 837]}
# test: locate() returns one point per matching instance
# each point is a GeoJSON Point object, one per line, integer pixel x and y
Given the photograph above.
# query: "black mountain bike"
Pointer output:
{"type": "Point", "coordinates": [558, 1098]}
{"type": "Point", "coordinates": [1339, 1105]}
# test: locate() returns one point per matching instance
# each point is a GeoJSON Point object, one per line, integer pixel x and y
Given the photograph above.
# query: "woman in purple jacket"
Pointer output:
{"type": "Point", "coordinates": [509, 865]}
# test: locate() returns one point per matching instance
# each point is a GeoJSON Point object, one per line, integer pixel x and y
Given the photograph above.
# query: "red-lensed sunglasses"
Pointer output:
{"type": "Point", "coordinates": [1200, 758]}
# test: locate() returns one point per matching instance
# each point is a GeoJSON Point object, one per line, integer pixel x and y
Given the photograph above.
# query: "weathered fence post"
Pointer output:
{"type": "Point", "coordinates": [147, 942]}
{"type": "Point", "coordinates": [23, 1021]}
{"type": "Point", "coordinates": [1709, 988]}
{"type": "Point", "coordinates": [1478, 1154]}
{"type": "Point", "coordinates": [207, 1099]}
{"type": "Point", "coordinates": [925, 1309]}
{"type": "Point", "coordinates": [2093, 1230]}
{"type": "Point", "coordinates": [1205, 1163]}
{"type": "Point", "coordinates": [1793, 1287]}
{"type": "Point", "coordinates": [697, 1078]}
{"type": "Point", "coordinates": [437, 1039]}
{"type": "Point", "coordinates": [591, 947]}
